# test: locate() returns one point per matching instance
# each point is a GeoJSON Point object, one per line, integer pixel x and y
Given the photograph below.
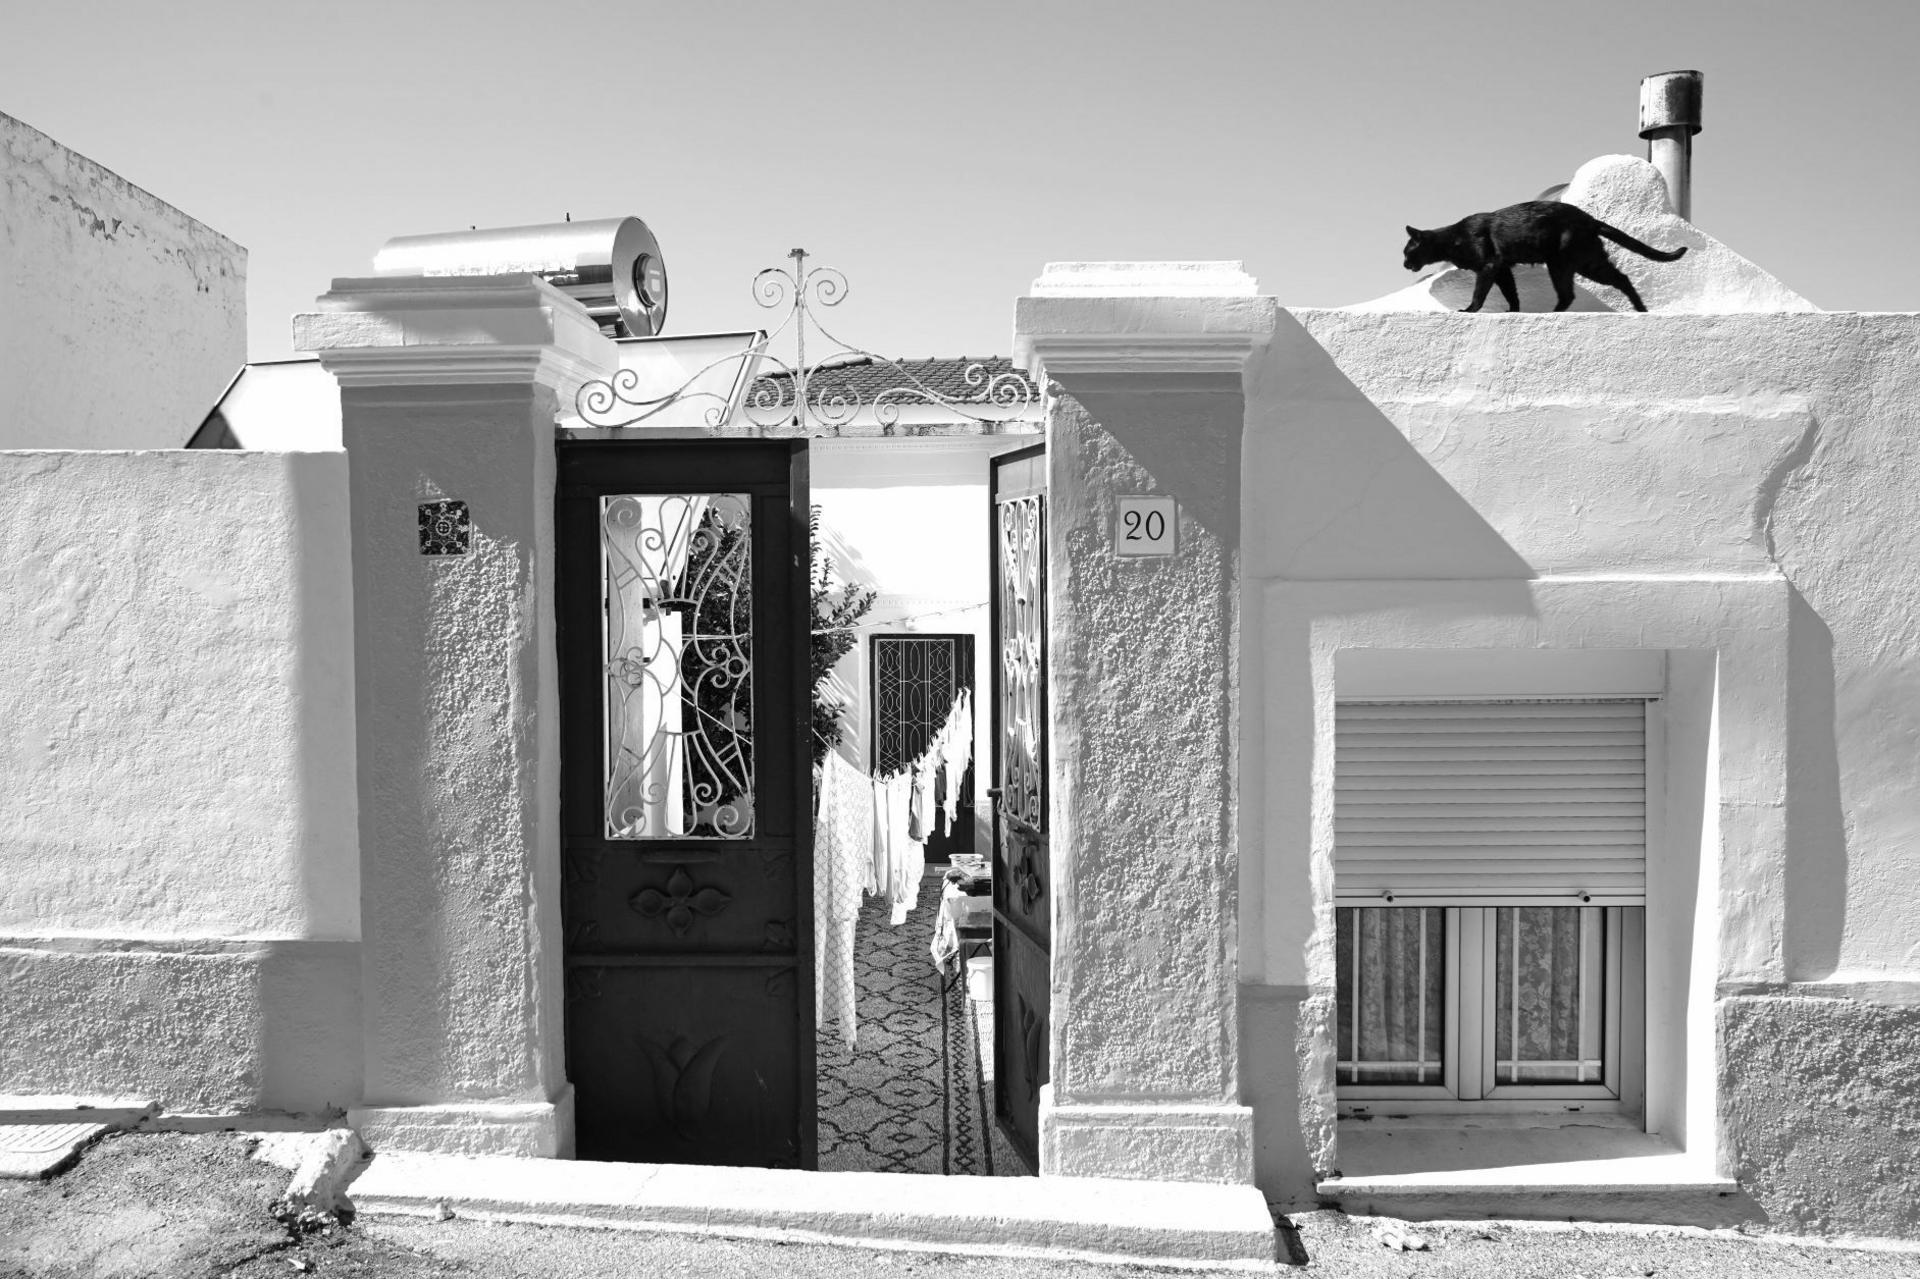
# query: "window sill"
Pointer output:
{"type": "Point", "coordinates": [1603, 1168]}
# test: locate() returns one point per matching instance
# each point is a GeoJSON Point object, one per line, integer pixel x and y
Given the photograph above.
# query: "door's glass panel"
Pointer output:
{"type": "Point", "coordinates": [1022, 551]}
{"type": "Point", "coordinates": [1549, 995]}
{"type": "Point", "coordinates": [1392, 989]}
{"type": "Point", "coordinates": [676, 576]}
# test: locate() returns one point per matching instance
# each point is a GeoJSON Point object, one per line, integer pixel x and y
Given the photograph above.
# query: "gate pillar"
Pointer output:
{"type": "Point", "coordinates": [1143, 691]}
{"type": "Point", "coordinates": [448, 391]}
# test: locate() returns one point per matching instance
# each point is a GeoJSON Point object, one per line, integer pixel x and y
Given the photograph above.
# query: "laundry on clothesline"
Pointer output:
{"type": "Point", "coordinates": [899, 860]}
{"type": "Point", "coordinates": [907, 812]}
{"type": "Point", "coordinates": [843, 874]}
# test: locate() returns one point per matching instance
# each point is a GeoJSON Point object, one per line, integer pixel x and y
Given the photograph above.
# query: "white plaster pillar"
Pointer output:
{"type": "Point", "coordinates": [448, 391]}
{"type": "Point", "coordinates": [1143, 690]}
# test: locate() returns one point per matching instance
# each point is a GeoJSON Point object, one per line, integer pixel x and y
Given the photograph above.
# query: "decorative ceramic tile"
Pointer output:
{"type": "Point", "coordinates": [445, 528]}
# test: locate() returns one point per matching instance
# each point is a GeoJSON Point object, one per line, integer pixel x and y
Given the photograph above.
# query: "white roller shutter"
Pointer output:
{"type": "Point", "coordinates": [1462, 802]}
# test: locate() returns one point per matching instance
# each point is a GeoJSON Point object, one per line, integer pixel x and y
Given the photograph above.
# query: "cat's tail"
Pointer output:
{"type": "Point", "coordinates": [1626, 241]}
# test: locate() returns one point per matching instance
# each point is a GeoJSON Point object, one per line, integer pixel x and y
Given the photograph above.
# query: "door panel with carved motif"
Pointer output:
{"type": "Point", "coordinates": [1022, 874]}
{"type": "Point", "coordinates": [685, 800]}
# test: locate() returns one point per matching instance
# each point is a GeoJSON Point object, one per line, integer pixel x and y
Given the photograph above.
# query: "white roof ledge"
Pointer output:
{"type": "Point", "coordinates": [1144, 280]}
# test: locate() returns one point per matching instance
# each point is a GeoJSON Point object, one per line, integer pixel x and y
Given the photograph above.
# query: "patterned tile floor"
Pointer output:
{"type": "Point", "coordinates": [914, 1094]}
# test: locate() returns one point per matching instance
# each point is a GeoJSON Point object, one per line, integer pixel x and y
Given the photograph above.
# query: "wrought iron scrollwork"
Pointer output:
{"type": "Point", "coordinates": [679, 665]}
{"type": "Point", "coordinates": [793, 393]}
{"type": "Point", "coordinates": [1022, 553]}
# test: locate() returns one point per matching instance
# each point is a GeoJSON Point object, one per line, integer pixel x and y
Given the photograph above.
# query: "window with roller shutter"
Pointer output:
{"type": "Point", "coordinates": [1454, 802]}
{"type": "Point", "coordinates": [1490, 875]}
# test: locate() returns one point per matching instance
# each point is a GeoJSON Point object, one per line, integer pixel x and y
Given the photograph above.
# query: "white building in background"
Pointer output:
{"type": "Point", "coordinates": [1491, 796]}
{"type": "Point", "coordinates": [121, 318]}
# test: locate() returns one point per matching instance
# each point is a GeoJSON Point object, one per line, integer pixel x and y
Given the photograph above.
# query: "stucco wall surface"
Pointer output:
{"type": "Point", "coordinates": [1822, 1116]}
{"type": "Point", "coordinates": [1141, 659]}
{"type": "Point", "coordinates": [121, 318]}
{"type": "Point", "coordinates": [176, 723]}
{"type": "Point", "coordinates": [459, 774]}
{"type": "Point", "coordinates": [211, 1028]}
{"type": "Point", "coordinates": [1401, 446]}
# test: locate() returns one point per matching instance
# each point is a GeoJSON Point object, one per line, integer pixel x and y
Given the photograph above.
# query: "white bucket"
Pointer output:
{"type": "Point", "coordinates": [980, 978]}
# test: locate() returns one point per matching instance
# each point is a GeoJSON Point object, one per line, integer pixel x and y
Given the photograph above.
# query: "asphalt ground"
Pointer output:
{"type": "Point", "coordinates": [179, 1206]}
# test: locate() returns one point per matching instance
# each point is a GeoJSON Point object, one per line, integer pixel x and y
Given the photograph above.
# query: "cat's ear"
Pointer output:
{"type": "Point", "coordinates": [1413, 233]}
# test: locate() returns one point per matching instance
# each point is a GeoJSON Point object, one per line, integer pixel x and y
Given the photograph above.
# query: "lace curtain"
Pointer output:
{"type": "Point", "coordinates": [1548, 1006]}
{"type": "Point", "coordinates": [1547, 994]}
{"type": "Point", "coordinates": [1392, 983]}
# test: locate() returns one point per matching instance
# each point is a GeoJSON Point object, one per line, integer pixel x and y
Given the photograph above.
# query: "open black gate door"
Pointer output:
{"type": "Point", "coordinates": [686, 800]}
{"type": "Point", "coordinates": [1022, 877]}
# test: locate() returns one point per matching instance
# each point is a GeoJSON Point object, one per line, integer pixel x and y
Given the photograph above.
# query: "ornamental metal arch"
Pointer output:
{"type": "Point", "coordinates": [795, 395]}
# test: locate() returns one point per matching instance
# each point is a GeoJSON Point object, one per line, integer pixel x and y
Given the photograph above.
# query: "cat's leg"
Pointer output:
{"type": "Point", "coordinates": [1504, 278]}
{"type": "Point", "coordinates": [1561, 273]}
{"type": "Point", "coordinates": [1614, 277]}
{"type": "Point", "coordinates": [1482, 281]}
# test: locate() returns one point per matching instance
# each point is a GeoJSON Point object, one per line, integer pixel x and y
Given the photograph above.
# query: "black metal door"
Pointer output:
{"type": "Point", "coordinates": [686, 800]}
{"type": "Point", "coordinates": [1022, 877]}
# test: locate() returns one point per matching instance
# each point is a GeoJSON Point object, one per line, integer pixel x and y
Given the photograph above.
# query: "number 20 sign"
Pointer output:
{"type": "Point", "coordinates": [1145, 527]}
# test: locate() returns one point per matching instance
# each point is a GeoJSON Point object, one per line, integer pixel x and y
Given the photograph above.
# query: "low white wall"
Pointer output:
{"type": "Point", "coordinates": [179, 876]}
{"type": "Point", "coordinates": [121, 318]}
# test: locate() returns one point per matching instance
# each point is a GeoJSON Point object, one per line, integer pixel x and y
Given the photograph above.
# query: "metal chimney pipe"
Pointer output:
{"type": "Point", "coordinates": [1669, 117]}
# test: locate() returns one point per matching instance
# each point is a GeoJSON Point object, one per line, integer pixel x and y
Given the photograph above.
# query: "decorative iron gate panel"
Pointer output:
{"type": "Point", "coordinates": [685, 806]}
{"type": "Point", "coordinates": [915, 683]}
{"type": "Point", "coordinates": [1022, 874]}
{"type": "Point", "coordinates": [915, 680]}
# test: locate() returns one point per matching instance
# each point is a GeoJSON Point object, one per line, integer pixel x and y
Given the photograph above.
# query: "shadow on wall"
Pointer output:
{"type": "Point", "coordinates": [1335, 490]}
{"type": "Point", "coordinates": [1816, 874]}
{"type": "Point", "coordinates": [1184, 436]}
{"type": "Point", "coordinates": [323, 692]}
{"type": "Point", "coordinates": [310, 1051]}
{"type": "Point", "coordinates": [310, 1047]}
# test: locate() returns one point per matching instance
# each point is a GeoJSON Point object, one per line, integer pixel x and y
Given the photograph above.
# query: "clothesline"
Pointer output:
{"type": "Point", "coordinates": [962, 698]}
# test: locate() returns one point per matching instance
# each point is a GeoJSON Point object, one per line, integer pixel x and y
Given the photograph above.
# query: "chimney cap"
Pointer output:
{"type": "Point", "coordinates": [1671, 100]}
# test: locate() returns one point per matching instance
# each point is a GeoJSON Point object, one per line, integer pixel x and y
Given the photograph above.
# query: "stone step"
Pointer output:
{"type": "Point", "coordinates": [1679, 1193]}
{"type": "Point", "coordinates": [1159, 1223]}
{"type": "Point", "coordinates": [1603, 1168]}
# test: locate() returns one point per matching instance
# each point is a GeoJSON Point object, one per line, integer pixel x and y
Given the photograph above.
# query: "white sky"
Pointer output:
{"type": "Point", "coordinates": [940, 154]}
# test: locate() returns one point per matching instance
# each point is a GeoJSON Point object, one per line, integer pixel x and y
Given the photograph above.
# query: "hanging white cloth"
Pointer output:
{"type": "Point", "coordinates": [899, 860]}
{"type": "Point", "coordinates": [956, 744]}
{"type": "Point", "coordinates": [843, 870]}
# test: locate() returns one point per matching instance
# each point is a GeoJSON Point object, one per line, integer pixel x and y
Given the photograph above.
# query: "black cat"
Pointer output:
{"type": "Point", "coordinates": [1565, 237]}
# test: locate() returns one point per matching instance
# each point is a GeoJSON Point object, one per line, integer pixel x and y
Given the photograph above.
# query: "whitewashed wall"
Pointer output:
{"type": "Point", "coordinates": [179, 877]}
{"type": "Point", "coordinates": [121, 318]}
{"type": "Point", "coordinates": [1740, 486]}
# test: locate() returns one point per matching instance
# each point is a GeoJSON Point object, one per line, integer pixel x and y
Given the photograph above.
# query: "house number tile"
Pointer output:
{"type": "Point", "coordinates": [1145, 527]}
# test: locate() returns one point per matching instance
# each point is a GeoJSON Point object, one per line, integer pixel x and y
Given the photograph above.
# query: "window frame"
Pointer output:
{"type": "Point", "coordinates": [1469, 1086]}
